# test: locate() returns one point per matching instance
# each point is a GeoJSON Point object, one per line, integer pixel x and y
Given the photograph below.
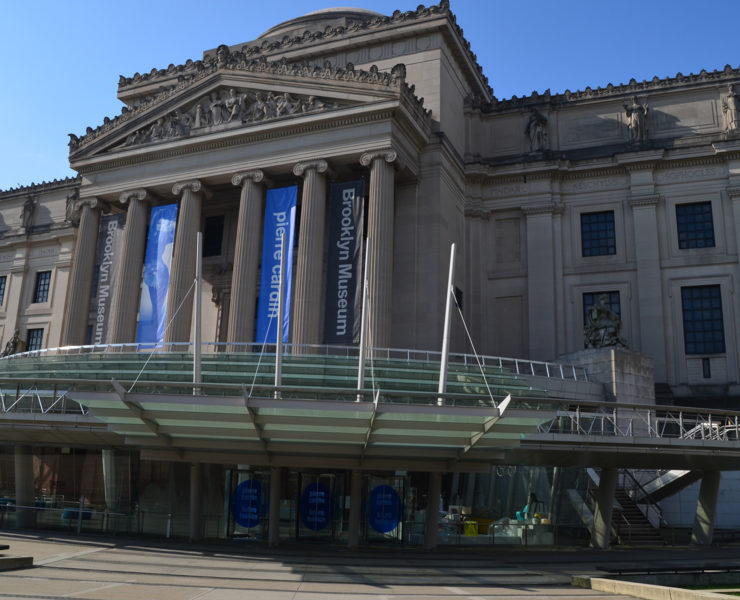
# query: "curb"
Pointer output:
{"type": "Point", "coordinates": [646, 591]}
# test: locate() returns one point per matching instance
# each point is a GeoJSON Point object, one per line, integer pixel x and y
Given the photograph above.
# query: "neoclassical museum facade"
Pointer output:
{"type": "Point", "coordinates": [385, 128]}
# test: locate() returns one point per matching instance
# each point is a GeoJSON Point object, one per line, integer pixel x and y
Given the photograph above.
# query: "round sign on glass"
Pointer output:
{"type": "Point", "coordinates": [317, 506]}
{"type": "Point", "coordinates": [246, 502]}
{"type": "Point", "coordinates": [385, 508]}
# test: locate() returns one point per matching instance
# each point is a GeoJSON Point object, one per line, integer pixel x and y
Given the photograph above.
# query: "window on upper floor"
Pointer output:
{"type": "Point", "coordinates": [703, 326]}
{"type": "Point", "coordinates": [598, 237]}
{"type": "Point", "coordinates": [3, 281]}
{"type": "Point", "coordinates": [695, 226]}
{"type": "Point", "coordinates": [35, 339]}
{"type": "Point", "coordinates": [41, 291]}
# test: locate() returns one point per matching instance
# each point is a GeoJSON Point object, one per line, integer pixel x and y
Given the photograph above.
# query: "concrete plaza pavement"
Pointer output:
{"type": "Point", "coordinates": [113, 568]}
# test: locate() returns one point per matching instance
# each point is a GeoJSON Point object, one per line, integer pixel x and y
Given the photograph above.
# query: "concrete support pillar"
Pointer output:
{"type": "Point", "coordinates": [182, 272]}
{"type": "Point", "coordinates": [246, 256]}
{"type": "Point", "coordinates": [309, 280]}
{"type": "Point", "coordinates": [80, 280]}
{"type": "Point", "coordinates": [125, 302]}
{"type": "Point", "coordinates": [602, 533]}
{"type": "Point", "coordinates": [24, 486]}
{"type": "Point", "coordinates": [355, 509]}
{"type": "Point", "coordinates": [196, 517]}
{"type": "Point", "coordinates": [273, 523]}
{"type": "Point", "coordinates": [380, 231]}
{"type": "Point", "coordinates": [706, 509]}
{"type": "Point", "coordinates": [432, 517]}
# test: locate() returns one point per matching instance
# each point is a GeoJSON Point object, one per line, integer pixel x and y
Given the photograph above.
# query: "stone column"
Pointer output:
{"type": "Point", "coordinates": [380, 232]}
{"type": "Point", "coordinates": [602, 533]}
{"type": "Point", "coordinates": [196, 520]}
{"type": "Point", "coordinates": [706, 509]}
{"type": "Point", "coordinates": [24, 487]}
{"type": "Point", "coordinates": [182, 271]}
{"type": "Point", "coordinates": [307, 306]}
{"type": "Point", "coordinates": [246, 256]}
{"type": "Point", "coordinates": [432, 517]}
{"type": "Point", "coordinates": [80, 281]}
{"type": "Point", "coordinates": [273, 524]}
{"type": "Point", "coordinates": [125, 303]}
{"type": "Point", "coordinates": [355, 509]}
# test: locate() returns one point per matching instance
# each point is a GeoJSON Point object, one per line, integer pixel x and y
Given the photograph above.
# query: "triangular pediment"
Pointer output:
{"type": "Point", "coordinates": [237, 95]}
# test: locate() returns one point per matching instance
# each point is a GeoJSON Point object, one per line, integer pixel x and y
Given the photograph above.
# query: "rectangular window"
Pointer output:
{"type": "Point", "coordinates": [3, 279]}
{"type": "Point", "coordinates": [35, 338]}
{"type": "Point", "coordinates": [594, 298]}
{"type": "Point", "coordinates": [597, 234]}
{"type": "Point", "coordinates": [41, 291]}
{"type": "Point", "coordinates": [703, 327]}
{"type": "Point", "coordinates": [213, 236]}
{"type": "Point", "coordinates": [695, 226]}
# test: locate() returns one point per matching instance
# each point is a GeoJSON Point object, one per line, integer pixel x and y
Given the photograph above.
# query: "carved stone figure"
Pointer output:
{"type": "Point", "coordinates": [70, 214]}
{"type": "Point", "coordinates": [216, 106]}
{"type": "Point", "coordinates": [233, 105]}
{"type": "Point", "coordinates": [536, 131]}
{"type": "Point", "coordinates": [29, 207]}
{"type": "Point", "coordinates": [636, 121]}
{"type": "Point", "coordinates": [731, 109]}
{"type": "Point", "coordinates": [603, 326]}
{"type": "Point", "coordinates": [14, 344]}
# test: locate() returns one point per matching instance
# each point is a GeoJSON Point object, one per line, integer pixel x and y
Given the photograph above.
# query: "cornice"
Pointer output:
{"type": "Point", "coordinates": [644, 201]}
{"type": "Point", "coordinates": [44, 186]}
{"type": "Point", "coordinates": [656, 84]}
{"type": "Point", "coordinates": [243, 137]}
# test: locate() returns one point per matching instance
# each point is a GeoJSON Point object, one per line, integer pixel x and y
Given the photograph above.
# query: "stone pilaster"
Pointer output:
{"type": "Point", "coordinates": [125, 303]}
{"type": "Point", "coordinates": [80, 281]}
{"type": "Point", "coordinates": [307, 305]}
{"type": "Point", "coordinates": [182, 272]}
{"type": "Point", "coordinates": [380, 232]}
{"type": "Point", "coordinates": [246, 256]}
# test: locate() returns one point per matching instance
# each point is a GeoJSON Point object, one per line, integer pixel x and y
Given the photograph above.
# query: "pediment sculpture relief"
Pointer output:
{"type": "Point", "coordinates": [230, 108]}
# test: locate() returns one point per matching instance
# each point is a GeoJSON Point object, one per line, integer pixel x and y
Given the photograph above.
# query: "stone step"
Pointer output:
{"type": "Point", "coordinates": [11, 563]}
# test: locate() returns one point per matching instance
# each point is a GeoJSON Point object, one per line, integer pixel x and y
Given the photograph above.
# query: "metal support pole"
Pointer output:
{"type": "Point", "coordinates": [363, 326]}
{"type": "Point", "coordinates": [197, 309]}
{"type": "Point", "coordinates": [279, 333]}
{"type": "Point", "coordinates": [446, 333]}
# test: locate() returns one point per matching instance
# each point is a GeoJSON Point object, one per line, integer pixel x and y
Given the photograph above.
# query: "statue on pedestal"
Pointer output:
{"type": "Point", "coordinates": [14, 345]}
{"type": "Point", "coordinates": [603, 326]}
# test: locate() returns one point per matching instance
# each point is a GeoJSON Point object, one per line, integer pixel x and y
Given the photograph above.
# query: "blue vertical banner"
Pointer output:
{"type": "Point", "coordinates": [280, 212]}
{"type": "Point", "coordinates": [343, 307]}
{"type": "Point", "coordinates": [157, 263]}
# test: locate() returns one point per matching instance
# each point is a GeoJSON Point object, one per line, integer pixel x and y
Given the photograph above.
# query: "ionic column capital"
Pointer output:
{"type": "Point", "coordinates": [137, 194]}
{"type": "Point", "coordinates": [320, 166]}
{"type": "Point", "coordinates": [194, 185]}
{"type": "Point", "coordinates": [255, 175]}
{"type": "Point", "coordinates": [90, 203]}
{"type": "Point", "coordinates": [388, 156]}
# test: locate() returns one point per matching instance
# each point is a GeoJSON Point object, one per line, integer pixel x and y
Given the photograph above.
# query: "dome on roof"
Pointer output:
{"type": "Point", "coordinates": [318, 21]}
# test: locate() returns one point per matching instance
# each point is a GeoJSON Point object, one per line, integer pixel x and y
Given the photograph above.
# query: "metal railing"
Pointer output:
{"type": "Point", "coordinates": [516, 366]}
{"type": "Point", "coordinates": [41, 400]}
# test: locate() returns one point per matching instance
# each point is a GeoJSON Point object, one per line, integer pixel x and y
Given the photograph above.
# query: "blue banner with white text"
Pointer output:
{"type": "Point", "coordinates": [157, 263]}
{"type": "Point", "coordinates": [280, 209]}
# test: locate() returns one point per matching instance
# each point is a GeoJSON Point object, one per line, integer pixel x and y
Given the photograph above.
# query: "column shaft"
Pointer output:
{"type": "Point", "coordinates": [246, 257]}
{"type": "Point", "coordinates": [706, 509]}
{"type": "Point", "coordinates": [432, 517]}
{"type": "Point", "coordinates": [125, 303]}
{"type": "Point", "coordinates": [380, 232]}
{"type": "Point", "coordinates": [196, 521]}
{"type": "Point", "coordinates": [80, 280]}
{"type": "Point", "coordinates": [273, 525]}
{"type": "Point", "coordinates": [602, 533]}
{"type": "Point", "coordinates": [355, 506]}
{"type": "Point", "coordinates": [182, 272]}
{"type": "Point", "coordinates": [24, 486]}
{"type": "Point", "coordinates": [307, 307]}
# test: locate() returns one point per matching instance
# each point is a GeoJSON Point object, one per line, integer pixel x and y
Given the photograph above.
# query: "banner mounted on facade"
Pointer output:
{"type": "Point", "coordinates": [343, 306]}
{"type": "Point", "coordinates": [280, 209]}
{"type": "Point", "coordinates": [107, 259]}
{"type": "Point", "coordinates": [159, 245]}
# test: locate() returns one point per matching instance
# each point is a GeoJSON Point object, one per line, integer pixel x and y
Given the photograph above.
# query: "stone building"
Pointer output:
{"type": "Point", "coordinates": [554, 200]}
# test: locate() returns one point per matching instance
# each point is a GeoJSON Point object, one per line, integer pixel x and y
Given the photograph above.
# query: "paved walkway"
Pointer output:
{"type": "Point", "coordinates": [104, 568]}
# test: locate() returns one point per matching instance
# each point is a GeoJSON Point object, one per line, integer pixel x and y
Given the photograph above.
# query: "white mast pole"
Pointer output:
{"type": "Point", "coordinates": [281, 308]}
{"type": "Point", "coordinates": [197, 309]}
{"type": "Point", "coordinates": [363, 324]}
{"type": "Point", "coordinates": [446, 334]}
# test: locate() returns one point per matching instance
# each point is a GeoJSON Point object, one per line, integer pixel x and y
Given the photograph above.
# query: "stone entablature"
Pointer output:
{"type": "Point", "coordinates": [173, 126]}
{"type": "Point", "coordinates": [44, 186]}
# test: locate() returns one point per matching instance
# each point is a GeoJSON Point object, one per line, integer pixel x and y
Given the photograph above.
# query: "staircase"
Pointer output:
{"type": "Point", "coordinates": [631, 525]}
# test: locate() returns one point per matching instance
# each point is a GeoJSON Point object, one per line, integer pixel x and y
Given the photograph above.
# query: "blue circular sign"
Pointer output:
{"type": "Point", "coordinates": [385, 508]}
{"type": "Point", "coordinates": [317, 506]}
{"type": "Point", "coordinates": [246, 503]}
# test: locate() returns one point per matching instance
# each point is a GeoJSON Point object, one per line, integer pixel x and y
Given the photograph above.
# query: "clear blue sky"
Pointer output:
{"type": "Point", "coordinates": [61, 60]}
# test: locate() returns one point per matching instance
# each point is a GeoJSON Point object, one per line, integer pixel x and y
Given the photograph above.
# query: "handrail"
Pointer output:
{"type": "Point", "coordinates": [636, 485]}
{"type": "Point", "coordinates": [517, 365]}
